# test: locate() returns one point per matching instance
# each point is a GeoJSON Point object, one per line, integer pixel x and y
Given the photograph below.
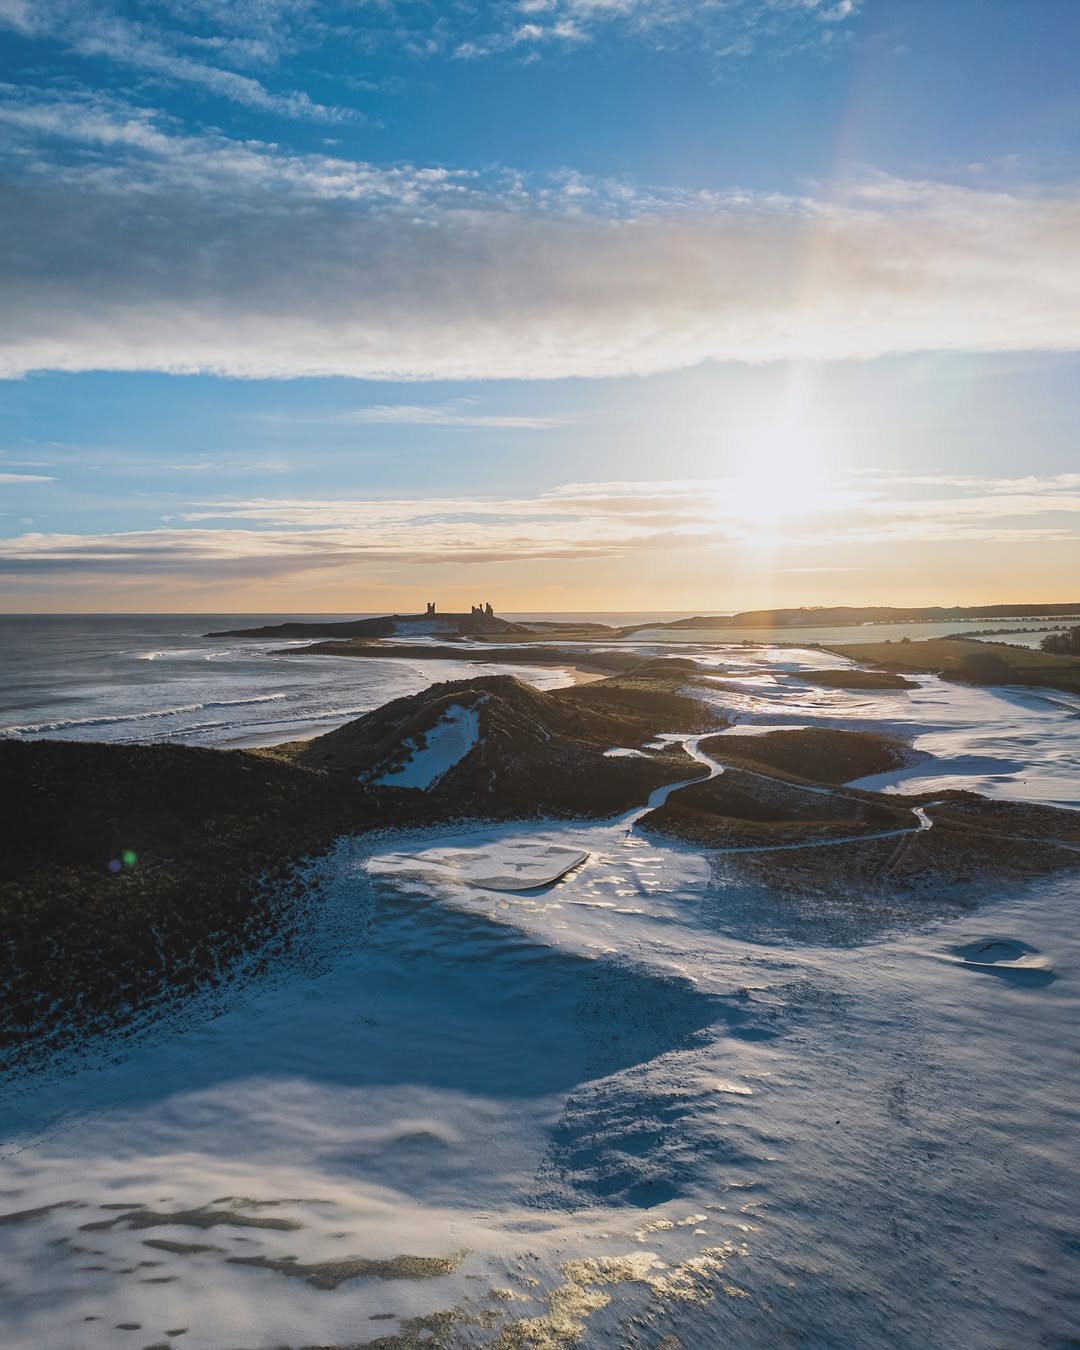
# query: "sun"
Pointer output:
{"type": "Point", "coordinates": [780, 473]}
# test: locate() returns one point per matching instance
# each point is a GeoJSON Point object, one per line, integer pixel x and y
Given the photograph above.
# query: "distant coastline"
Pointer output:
{"type": "Point", "coordinates": [487, 625]}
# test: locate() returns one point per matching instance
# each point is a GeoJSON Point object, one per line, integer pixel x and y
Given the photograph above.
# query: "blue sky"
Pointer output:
{"type": "Point", "coordinates": [575, 303]}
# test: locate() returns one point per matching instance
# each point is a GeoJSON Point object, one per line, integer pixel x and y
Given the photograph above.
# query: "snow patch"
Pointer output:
{"type": "Point", "coordinates": [448, 742]}
{"type": "Point", "coordinates": [508, 865]}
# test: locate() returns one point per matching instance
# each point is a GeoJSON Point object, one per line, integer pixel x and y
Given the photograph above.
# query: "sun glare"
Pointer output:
{"type": "Point", "coordinates": [780, 473]}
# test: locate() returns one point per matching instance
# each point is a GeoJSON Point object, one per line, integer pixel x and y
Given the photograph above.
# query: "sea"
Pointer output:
{"type": "Point", "coordinates": [162, 677]}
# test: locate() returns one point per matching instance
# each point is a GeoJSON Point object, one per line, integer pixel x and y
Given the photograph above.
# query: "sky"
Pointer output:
{"type": "Point", "coordinates": [347, 305]}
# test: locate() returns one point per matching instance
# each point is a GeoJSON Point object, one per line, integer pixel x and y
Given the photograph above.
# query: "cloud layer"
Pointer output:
{"type": "Point", "coordinates": [148, 250]}
{"type": "Point", "coordinates": [275, 537]}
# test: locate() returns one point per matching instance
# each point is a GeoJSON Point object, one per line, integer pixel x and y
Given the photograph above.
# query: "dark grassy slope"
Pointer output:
{"type": "Point", "coordinates": [743, 810]}
{"type": "Point", "coordinates": [217, 837]}
{"type": "Point", "coordinates": [973, 843]}
{"type": "Point", "coordinates": [958, 862]}
{"type": "Point", "coordinates": [210, 831]}
{"type": "Point", "coordinates": [854, 678]}
{"type": "Point", "coordinates": [970, 661]}
{"type": "Point", "coordinates": [816, 754]}
{"type": "Point", "coordinates": [538, 753]}
{"type": "Point", "coordinates": [218, 834]}
{"type": "Point", "coordinates": [765, 797]}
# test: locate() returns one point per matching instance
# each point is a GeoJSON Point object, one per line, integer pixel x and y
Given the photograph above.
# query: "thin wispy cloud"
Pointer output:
{"type": "Point", "coordinates": [216, 46]}
{"type": "Point", "coordinates": [729, 31]}
{"type": "Point", "coordinates": [287, 536]}
{"type": "Point", "coordinates": [101, 31]}
{"type": "Point", "coordinates": [458, 413]}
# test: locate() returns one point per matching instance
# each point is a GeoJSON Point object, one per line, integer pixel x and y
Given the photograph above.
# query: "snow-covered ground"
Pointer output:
{"type": "Point", "coordinates": [446, 744]}
{"type": "Point", "coordinates": [1004, 741]}
{"type": "Point", "coordinates": [648, 1100]}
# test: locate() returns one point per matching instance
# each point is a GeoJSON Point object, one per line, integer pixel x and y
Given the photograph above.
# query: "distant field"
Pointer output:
{"type": "Point", "coordinates": [968, 659]}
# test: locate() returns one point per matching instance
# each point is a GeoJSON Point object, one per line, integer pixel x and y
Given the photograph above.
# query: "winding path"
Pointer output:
{"type": "Point", "coordinates": [692, 746]}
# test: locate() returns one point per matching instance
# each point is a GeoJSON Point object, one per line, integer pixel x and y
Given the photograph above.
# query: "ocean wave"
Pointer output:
{"type": "Point", "coordinates": [296, 720]}
{"type": "Point", "coordinates": [177, 653]}
{"type": "Point", "coordinates": [68, 723]}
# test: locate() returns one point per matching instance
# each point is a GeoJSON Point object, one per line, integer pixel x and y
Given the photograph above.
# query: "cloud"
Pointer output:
{"type": "Point", "coordinates": [274, 537]}
{"type": "Point", "coordinates": [454, 414]}
{"type": "Point", "coordinates": [726, 30]}
{"type": "Point", "coordinates": [98, 30]}
{"type": "Point", "coordinates": [142, 249]}
{"type": "Point", "coordinates": [26, 478]}
{"type": "Point", "coordinates": [202, 42]}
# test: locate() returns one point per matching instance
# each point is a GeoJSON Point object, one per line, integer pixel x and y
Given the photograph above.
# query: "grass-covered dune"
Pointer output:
{"type": "Point", "coordinates": [815, 754]}
{"type": "Point", "coordinates": [742, 809]}
{"type": "Point", "coordinates": [132, 872]}
{"type": "Point", "coordinates": [971, 841]}
{"type": "Point", "coordinates": [770, 794]}
{"type": "Point", "coordinates": [851, 677]}
{"type": "Point", "coordinates": [970, 660]}
{"type": "Point", "coordinates": [974, 846]}
{"type": "Point", "coordinates": [534, 752]}
{"type": "Point", "coordinates": [136, 874]}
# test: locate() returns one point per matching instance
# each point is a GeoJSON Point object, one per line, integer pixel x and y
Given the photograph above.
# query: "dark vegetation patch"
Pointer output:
{"type": "Point", "coordinates": [815, 754]}
{"type": "Point", "coordinates": [211, 841]}
{"type": "Point", "coordinates": [970, 661]}
{"type": "Point", "coordinates": [854, 678]}
{"type": "Point", "coordinates": [941, 865]}
{"type": "Point", "coordinates": [538, 753]}
{"type": "Point", "coordinates": [972, 841]}
{"type": "Point", "coordinates": [134, 875]}
{"type": "Point", "coordinates": [744, 810]}
{"type": "Point", "coordinates": [1016, 821]}
{"type": "Point", "coordinates": [1062, 644]}
{"type": "Point", "coordinates": [538, 654]}
{"type": "Point", "coordinates": [642, 703]}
